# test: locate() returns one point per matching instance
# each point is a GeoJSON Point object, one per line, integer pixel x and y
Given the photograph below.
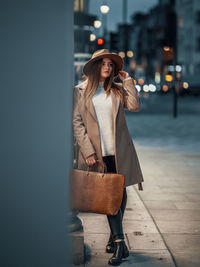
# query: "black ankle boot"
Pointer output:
{"type": "Point", "coordinates": [121, 251]}
{"type": "Point", "coordinates": [110, 247]}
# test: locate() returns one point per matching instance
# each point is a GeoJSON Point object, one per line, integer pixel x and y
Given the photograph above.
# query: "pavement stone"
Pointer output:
{"type": "Point", "coordinates": [164, 196]}
{"type": "Point", "coordinates": [135, 205]}
{"type": "Point", "coordinates": [176, 215]}
{"type": "Point", "coordinates": [144, 226]}
{"type": "Point", "coordinates": [146, 241]}
{"type": "Point", "coordinates": [183, 242]}
{"type": "Point", "coordinates": [162, 204]}
{"type": "Point", "coordinates": [187, 258]}
{"type": "Point", "coordinates": [179, 226]}
{"type": "Point", "coordinates": [187, 205]}
{"type": "Point", "coordinates": [134, 214]}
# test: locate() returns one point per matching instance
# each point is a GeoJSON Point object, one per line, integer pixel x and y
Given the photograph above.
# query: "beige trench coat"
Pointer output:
{"type": "Point", "coordinates": [86, 132]}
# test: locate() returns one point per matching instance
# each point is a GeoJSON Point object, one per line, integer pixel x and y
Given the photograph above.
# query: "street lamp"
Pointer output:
{"type": "Point", "coordinates": [97, 23]}
{"type": "Point", "coordinates": [104, 9]}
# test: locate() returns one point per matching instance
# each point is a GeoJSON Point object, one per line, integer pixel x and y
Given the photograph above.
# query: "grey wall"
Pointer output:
{"type": "Point", "coordinates": [36, 77]}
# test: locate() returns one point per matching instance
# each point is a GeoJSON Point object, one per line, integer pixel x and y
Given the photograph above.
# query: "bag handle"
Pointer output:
{"type": "Point", "coordinates": [102, 164]}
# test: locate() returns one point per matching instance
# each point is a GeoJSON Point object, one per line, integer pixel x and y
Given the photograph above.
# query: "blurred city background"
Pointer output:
{"type": "Point", "coordinates": [159, 41]}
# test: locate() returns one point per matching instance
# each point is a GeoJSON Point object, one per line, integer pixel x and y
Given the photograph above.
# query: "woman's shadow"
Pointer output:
{"type": "Point", "coordinates": [135, 259]}
{"type": "Point", "coordinates": [138, 259]}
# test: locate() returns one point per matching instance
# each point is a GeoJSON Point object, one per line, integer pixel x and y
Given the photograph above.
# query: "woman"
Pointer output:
{"type": "Point", "coordinates": [101, 132]}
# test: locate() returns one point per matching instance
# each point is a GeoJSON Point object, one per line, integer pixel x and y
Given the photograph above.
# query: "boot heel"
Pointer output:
{"type": "Point", "coordinates": [125, 252]}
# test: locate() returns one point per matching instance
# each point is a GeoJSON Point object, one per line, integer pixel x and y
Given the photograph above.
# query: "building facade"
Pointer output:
{"type": "Point", "coordinates": [188, 39]}
{"type": "Point", "coordinates": [83, 27]}
{"type": "Point", "coordinates": [150, 33]}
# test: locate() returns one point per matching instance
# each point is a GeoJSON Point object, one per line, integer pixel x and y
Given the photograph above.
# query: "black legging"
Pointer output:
{"type": "Point", "coordinates": [115, 221]}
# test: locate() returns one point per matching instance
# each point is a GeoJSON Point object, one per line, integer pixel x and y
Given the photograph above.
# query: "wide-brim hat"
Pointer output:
{"type": "Point", "coordinates": [104, 53]}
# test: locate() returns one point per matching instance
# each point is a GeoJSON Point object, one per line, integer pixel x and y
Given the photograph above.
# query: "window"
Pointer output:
{"type": "Point", "coordinates": [78, 5]}
{"type": "Point", "coordinates": [180, 22]}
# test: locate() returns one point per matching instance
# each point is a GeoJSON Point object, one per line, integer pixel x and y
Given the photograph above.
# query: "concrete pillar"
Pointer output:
{"type": "Point", "coordinates": [36, 83]}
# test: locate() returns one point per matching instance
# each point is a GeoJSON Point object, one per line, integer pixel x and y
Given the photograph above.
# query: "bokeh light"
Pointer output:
{"type": "Point", "coordinates": [185, 85]}
{"type": "Point", "coordinates": [140, 81]}
{"type": "Point", "coordinates": [97, 23]}
{"type": "Point", "coordinates": [157, 77]}
{"type": "Point", "coordinates": [130, 54]}
{"type": "Point", "coordinates": [178, 68]}
{"type": "Point", "coordinates": [104, 9]}
{"type": "Point", "coordinates": [146, 88]}
{"type": "Point", "coordinates": [165, 88]}
{"type": "Point", "coordinates": [92, 37]}
{"type": "Point", "coordinates": [121, 54]}
{"type": "Point", "coordinates": [152, 88]}
{"type": "Point", "coordinates": [138, 87]}
{"type": "Point", "coordinates": [100, 41]}
{"type": "Point", "coordinates": [168, 78]}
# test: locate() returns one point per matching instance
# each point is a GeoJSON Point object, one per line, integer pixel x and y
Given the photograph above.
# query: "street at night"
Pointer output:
{"type": "Point", "coordinates": [155, 125]}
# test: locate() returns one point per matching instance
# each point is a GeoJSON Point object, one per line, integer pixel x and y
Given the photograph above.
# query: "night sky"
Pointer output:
{"type": "Point", "coordinates": [115, 13]}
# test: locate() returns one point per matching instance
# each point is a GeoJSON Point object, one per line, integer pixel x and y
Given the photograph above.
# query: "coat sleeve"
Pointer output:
{"type": "Point", "coordinates": [130, 96]}
{"type": "Point", "coordinates": [80, 132]}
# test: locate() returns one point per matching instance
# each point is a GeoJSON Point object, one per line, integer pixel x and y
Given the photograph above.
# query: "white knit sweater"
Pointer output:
{"type": "Point", "coordinates": [103, 108]}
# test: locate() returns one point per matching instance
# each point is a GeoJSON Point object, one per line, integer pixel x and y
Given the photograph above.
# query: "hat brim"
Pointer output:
{"type": "Point", "coordinates": [114, 57]}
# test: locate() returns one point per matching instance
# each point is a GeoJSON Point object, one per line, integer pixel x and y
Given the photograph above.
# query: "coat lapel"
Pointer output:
{"type": "Point", "coordinates": [89, 106]}
{"type": "Point", "coordinates": [91, 109]}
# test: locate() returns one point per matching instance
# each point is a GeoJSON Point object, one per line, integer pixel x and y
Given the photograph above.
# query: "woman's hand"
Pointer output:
{"type": "Point", "coordinates": [123, 75]}
{"type": "Point", "coordinates": [91, 160]}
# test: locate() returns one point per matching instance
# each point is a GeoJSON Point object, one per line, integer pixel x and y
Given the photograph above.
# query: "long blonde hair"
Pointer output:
{"type": "Point", "coordinates": [93, 79]}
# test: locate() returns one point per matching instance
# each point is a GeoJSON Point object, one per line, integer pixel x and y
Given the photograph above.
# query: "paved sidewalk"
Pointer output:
{"type": "Point", "coordinates": [172, 197]}
{"type": "Point", "coordinates": [161, 223]}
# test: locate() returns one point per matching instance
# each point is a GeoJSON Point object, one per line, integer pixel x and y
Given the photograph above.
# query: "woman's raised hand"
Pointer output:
{"type": "Point", "coordinates": [123, 75]}
{"type": "Point", "coordinates": [91, 160]}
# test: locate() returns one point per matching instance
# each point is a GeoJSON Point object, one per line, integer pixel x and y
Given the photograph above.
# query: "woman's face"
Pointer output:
{"type": "Point", "coordinates": [106, 68]}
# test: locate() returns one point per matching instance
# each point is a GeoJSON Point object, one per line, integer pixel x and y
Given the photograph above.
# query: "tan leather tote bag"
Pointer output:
{"type": "Point", "coordinates": [98, 192]}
